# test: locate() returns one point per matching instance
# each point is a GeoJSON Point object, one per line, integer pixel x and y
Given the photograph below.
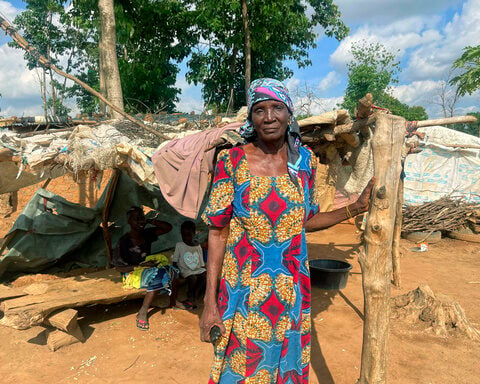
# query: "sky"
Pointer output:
{"type": "Point", "coordinates": [426, 36]}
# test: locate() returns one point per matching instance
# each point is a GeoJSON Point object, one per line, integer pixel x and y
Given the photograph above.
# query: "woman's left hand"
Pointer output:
{"type": "Point", "coordinates": [363, 202]}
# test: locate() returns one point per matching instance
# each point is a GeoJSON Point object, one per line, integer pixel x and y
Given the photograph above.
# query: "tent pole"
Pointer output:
{"type": "Point", "coordinates": [397, 231]}
{"type": "Point", "coordinates": [376, 259]}
{"type": "Point", "coordinates": [106, 215]}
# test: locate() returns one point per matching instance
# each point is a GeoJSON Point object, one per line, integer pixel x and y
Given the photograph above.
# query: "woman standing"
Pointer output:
{"type": "Point", "coordinates": [262, 201]}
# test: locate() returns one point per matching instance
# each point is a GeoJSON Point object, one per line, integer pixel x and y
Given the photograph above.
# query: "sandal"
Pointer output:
{"type": "Point", "coordinates": [142, 325]}
{"type": "Point", "coordinates": [189, 304]}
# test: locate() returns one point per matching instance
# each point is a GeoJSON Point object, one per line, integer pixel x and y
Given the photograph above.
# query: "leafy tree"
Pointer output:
{"type": "Point", "coordinates": [39, 29]}
{"type": "Point", "coordinates": [153, 37]}
{"type": "Point", "coordinates": [374, 70]}
{"type": "Point", "coordinates": [469, 80]}
{"type": "Point", "coordinates": [279, 31]}
{"type": "Point", "coordinates": [470, 128]}
{"type": "Point", "coordinates": [398, 108]}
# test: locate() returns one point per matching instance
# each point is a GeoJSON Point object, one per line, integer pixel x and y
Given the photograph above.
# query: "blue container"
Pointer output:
{"type": "Point", "coordinates": [329, 274]}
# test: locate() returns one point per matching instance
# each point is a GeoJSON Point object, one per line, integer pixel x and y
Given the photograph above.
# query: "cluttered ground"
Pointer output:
{"type": "Point", "coordinates": [115, 351]}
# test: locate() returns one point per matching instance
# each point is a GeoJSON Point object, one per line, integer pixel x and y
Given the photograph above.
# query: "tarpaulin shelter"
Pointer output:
{"type": "Point", "coordinates": [448, 165]}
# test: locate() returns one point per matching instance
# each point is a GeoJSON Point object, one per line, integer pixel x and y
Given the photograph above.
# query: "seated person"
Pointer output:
{"type": "Point", "coordinates": [131, 251]}
{"type": "Point", "coordinates": [188, 257]}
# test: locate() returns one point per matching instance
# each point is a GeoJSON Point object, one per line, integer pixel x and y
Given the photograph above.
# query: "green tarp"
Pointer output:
{"type": "Point", "coordinates": [52, 234]}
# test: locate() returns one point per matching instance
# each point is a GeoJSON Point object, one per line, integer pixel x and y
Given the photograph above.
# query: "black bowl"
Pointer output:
{"type": "Point", "coordinates": [329, 274]}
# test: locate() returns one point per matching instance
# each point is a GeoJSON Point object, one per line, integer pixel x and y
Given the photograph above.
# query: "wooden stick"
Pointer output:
{"type": "Point", "coordinates": [397, 231]}
{"type": "Point", "coordinates": [51, 131]}
{"type": "Point", "coordinates": [447, 120]}
{"type": "Point", "coordinates": [45, 184]}
{"type": "Point", "coordinates": [355, 126]}
{"type": "Point", "coordinates": [376, 259]}
{"type": "Point", "coordinates": [8, 28]}
{"type": "Point", "coordinates": [106, 214]}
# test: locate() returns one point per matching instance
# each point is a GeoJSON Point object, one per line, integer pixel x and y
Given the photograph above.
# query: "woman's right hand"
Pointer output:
{"type": "Point", "coordinates": [210, 317]}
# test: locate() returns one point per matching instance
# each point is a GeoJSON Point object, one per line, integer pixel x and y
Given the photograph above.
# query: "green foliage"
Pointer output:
{"type": "Point", "coordinates": [152, 36]}
{"type": "Point", "coordinates": [469, 62]}
{"type": "Point", "coordinates": [398, 108]}
{"type": "Point", "coordinates": [60, 108]}
{"type": "Point", "coordinates": [372, 70]}
{"type": "Point", "coordinates": [279, 31]}
{"type": "Point", "coordinates": [55, 33]}
{"type": "Point", "coordinates": [39, 29]}
{"type": "Point", "coordinates": [470, 128]}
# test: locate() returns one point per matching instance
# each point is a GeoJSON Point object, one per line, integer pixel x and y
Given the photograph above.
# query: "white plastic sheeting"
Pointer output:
{"type": "Point", "coordinates": [440, 170]}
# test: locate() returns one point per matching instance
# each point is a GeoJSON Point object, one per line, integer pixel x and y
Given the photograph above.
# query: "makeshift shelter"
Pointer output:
{"type": "Point", "coordinates": [447, 165]}
{"type": "Point", "coordinates": [334, 138]}
{"type": "Point", "coordinates": [53, 232]}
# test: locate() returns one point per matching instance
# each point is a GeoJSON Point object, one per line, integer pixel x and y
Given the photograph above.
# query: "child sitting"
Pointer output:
{"type": "Point", "coordinates": [188, 257]}
{"type": "Point", "coordinates": [130, 254]}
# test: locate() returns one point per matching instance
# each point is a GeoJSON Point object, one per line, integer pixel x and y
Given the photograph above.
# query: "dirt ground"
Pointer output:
{"type": "Point", "coordinates": [116, 352]}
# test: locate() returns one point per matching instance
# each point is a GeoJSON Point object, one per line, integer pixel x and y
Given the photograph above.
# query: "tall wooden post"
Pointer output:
{"type": "Point", "coordinates": [376, 259]}
{"type": "Point", "coordinates": [106, 214]}
{"type": "Point", "coordinates": [397, 232]}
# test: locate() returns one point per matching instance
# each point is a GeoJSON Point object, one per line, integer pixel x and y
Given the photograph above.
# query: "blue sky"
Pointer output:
{"type": "Point", "coordinates": [428, 35]}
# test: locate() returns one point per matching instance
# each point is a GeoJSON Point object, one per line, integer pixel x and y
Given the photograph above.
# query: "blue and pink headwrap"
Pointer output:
{"type": "Point", "coordinates": [271, 89]}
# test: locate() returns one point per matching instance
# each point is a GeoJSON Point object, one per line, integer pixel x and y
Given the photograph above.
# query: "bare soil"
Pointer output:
{"type": "Point", "coordinates": [116, 352]}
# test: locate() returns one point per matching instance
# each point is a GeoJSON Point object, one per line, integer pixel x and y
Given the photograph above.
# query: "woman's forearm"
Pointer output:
{"type": "Point", "coordinates": [323, 220]}
{"type": "Point", "coordinates": [217, 239]}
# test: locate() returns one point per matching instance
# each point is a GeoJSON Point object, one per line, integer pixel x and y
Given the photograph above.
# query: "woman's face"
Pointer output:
{"type": "Point", "coordinates": [270, 119]}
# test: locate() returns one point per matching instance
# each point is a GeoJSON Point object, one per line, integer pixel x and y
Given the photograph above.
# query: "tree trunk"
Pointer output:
{"type": "Point", "coordinates": [101, 78]}
{"type": "Point", "coordinates": [376, 259]}
{"type": "Point", "coordinates": [110, 71]}
{"type": "Point", "coordinates": [232, 72]}
{"type": "Point", "coordinates": [247, 48]}
{"type": "Point", "coordinates": [52, 85]}
{"type": "Point", "coordinates": [43, 88]}
{"type": "Point", "coordinates": [396, 237]}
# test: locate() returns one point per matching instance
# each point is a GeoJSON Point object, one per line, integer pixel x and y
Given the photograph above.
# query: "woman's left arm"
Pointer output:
{"type": "Point", "coordinates": [323, 220]}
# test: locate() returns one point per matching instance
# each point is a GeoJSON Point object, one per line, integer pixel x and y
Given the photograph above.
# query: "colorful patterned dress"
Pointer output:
{"type": "Point", "coordinates": [264, 294]}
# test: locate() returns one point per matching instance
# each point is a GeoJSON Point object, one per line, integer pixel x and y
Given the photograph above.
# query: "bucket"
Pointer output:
{"type": "Point", "coordinates": [329, 274]}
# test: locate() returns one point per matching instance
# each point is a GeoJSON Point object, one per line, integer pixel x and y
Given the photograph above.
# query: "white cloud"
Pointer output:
{"type": "Point", "coordinates": [382, 12]}
{"type": "Point", "coordinates": [426, 93]}
{"type": "Point", "coordinates": [395, 37]}
{"type": "Point", "coordinates": [8, 10]}
{"type": "Point", "coordinates": [188, 104]}
{"type": "Point", "coordinates": [19, 86]}
{"type": "Point", "coordinates": [331, 80]}
{"type": "Point", "coordinates": [433, 59]}
{"type": "Point", "coordinates": [419, 39]}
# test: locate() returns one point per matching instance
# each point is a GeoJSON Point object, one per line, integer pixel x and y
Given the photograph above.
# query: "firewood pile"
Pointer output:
{"type": "Point", "coordinates": [444, 214]}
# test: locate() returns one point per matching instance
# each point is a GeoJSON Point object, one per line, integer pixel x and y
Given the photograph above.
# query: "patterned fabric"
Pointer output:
{"type": "Point", "coordinates": [271, 89]}
{"type": "Point", "coordinates": [264, 294]}
{"type": "Point", "coordinates": [151, 278]}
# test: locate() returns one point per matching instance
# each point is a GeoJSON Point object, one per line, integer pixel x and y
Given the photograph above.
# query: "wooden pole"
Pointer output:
{"type": "Point", "coordinates": [361, 123]}
{"type": "Point", "coordinates": [376, 259]}
{"type": "Point", "coordinates": [396, 279]}
{"type": "Point", "coordinates": [106, 214]}
{"type": "Point", "coordinates": [447, 120]}
{"type": "Point", "coordinates": [42, 60]}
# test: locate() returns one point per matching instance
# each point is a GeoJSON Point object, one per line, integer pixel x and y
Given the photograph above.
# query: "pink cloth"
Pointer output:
{"type": "Point", "coordinates": [182, 169]}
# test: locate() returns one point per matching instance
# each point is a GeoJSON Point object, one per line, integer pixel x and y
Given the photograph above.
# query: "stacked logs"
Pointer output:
{"type": "Point", "coordinates": [444, 214]}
